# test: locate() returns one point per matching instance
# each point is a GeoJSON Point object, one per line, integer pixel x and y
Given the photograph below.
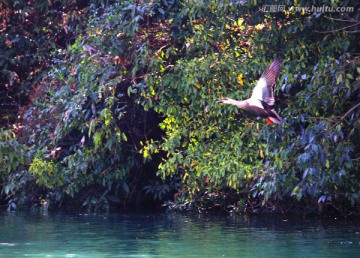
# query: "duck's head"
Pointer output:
{"type": "Point", "coordinates": [225, 101]}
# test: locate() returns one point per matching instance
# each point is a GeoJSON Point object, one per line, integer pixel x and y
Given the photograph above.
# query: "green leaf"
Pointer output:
{"type": "Point", "coordinates": [97, 139]}
{"type": "Point", "coordinates": [349, 76]}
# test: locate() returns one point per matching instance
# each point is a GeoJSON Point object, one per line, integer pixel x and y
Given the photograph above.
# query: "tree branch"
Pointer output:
{"type": "Point", "coordinates": [343, 28]}
{"type": "Point", "coordinates": [350, 110]}
{"type": "Point", "coordinates": [334, 19]}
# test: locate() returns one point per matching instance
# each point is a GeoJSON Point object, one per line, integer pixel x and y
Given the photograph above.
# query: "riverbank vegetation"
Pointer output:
{"type": "Point", "coordinates": [108, 104]}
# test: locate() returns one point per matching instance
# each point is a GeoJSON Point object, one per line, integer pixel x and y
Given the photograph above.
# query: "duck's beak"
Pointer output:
{"type": "Point", "coordinates": [219, 101]}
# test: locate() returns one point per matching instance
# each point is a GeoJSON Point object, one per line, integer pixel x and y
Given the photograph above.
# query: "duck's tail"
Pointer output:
{"type": "Point", "coordinates": [274, 119]}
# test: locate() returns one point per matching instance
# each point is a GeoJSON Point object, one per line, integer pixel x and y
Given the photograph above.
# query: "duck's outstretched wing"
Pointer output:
{"type": "Point", "coordinates": [264, 89]}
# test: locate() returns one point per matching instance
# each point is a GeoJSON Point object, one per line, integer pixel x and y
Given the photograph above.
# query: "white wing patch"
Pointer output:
{"type": "Point", "coordinates": [259, 92]}
{"type": "Point", "coordinates": [264, 90]}
{"type": "Point", "coordinates": [255, 102]}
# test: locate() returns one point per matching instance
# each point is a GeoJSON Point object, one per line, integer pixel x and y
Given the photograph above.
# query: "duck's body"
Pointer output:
{"type": "Point", "coordinates": [262, 99]}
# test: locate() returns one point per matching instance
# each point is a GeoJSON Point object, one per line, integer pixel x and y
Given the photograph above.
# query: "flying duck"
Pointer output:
{"type": "Point", "coordinates": [262, 99]}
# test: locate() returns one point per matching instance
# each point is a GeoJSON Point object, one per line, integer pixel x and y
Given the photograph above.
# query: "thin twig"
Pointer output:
{"type": "Point", "coordinates": [352, 31]}
{"type": "Point", "coordinates": [350, 110]}
{"type": "Point", "coordinates": [343, 28]}
{"type": "Point", "coordinates": [334, 19]}
{"type": "Point", "coordinates": [345, 115]}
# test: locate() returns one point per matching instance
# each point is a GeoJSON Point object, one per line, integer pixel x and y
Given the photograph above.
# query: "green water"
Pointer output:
{"type": "Point", "coordinates": [136, 235]}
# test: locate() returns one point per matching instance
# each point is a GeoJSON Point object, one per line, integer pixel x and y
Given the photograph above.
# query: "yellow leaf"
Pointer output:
{"type": "Point", "coordinates": [240, 79]}
{"type": "Point", "coordinates": [185, 176]}
{"type": "Point", "coordinates": [248, 176]}
{"type": "Point", "coordinates": [327, 163]}
{"type": "Point", "coordinates": [197, 85]}
{"type": "Point", "coordinates": [146, 153]}
{"type": "Point", "coordinates": [296, 189]}
{"type": "Point", "coordinates": [259, 26]}
{"type": "Point", "coordinates": [261, 153]}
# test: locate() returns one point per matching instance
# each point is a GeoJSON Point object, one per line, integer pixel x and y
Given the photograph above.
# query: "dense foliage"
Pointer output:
{"type": "Point", "coordinates": [135, 93]}
{"type": "Point", "coordinates": [30, 33]}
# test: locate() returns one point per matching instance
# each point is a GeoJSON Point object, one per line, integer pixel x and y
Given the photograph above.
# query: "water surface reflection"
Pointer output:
{"type": "Point", "coordinates": [174, 235]}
